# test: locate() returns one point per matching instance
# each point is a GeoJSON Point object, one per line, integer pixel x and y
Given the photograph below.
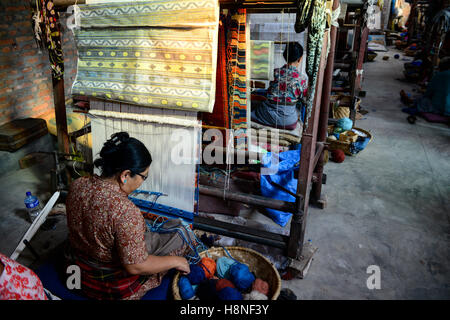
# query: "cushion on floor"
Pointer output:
{"type": "Point", "coordinates": [51, 280]}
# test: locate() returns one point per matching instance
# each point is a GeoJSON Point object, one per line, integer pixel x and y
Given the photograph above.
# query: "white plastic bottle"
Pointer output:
{"type": "Point", "coordinates": [33, 205]}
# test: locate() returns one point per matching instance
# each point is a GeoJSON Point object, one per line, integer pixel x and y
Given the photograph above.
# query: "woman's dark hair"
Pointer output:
{"type": "Point", "coordinates": [293, 52]}
{"type": "Point", "coordinates": [123, 153]}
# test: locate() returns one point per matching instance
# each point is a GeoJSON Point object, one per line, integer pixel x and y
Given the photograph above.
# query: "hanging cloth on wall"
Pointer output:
{"type": "Point", "coordinates": [316, 31]}
{"type": "Point", "coordinates": [48, 35]}
{"type": "Point", "coordinates": [159, 53]}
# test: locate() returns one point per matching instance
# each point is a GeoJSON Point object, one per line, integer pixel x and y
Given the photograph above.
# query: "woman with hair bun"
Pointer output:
{"type": "Point", "coordinates": [284, 92]}
{"type": "Point", "coordinates": [109, 241]}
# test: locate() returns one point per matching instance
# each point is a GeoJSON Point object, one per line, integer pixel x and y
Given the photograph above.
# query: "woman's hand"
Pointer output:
{"type": "Point", "coordinates": [182, 265]}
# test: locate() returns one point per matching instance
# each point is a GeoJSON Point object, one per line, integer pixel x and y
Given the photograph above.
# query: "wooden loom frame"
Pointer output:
{"type": "Point", "coordinates": [310, 177]}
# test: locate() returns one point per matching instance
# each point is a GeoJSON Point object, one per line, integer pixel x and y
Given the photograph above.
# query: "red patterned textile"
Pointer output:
{"type": "Point", "coordinates": [18, 282]}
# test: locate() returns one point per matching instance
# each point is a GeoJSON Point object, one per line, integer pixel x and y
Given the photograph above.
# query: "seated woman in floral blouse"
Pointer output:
{"type": "Point", "coordinates": [109, 241]}
{"type": "Point", "coordinates": [288, 86]}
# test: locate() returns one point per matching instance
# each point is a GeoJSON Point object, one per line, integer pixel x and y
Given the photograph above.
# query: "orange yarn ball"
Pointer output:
{"type": "Point", "coordinates": [261, 286]}
{"type": "Point", "coordinates": [223, 283]}
{"type": "Point", "coordinates": [209, 266]}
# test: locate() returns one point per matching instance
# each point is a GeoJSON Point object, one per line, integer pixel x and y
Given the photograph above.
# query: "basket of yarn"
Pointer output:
{"type": "Point", "coordinates": [230, 273]}
{"type": "Point", "coordinates": [341, 139]}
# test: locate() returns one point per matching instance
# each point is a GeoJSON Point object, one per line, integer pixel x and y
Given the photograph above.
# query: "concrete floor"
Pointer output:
{"type": "Point", "coordinates": [388, 206]}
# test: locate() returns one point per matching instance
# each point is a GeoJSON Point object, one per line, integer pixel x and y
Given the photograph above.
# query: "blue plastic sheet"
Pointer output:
{"type": "Point", "coordinates": [279, 168]}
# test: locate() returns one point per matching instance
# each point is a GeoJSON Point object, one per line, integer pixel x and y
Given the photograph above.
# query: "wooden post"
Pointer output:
{"type": "Point", "coordinates": [60, 115]}
{"type": "Point", "coordinates": [361, 54]}
{"type": "Point", "coordinates": [298, 222]}
{"type": "Point", "coordinates": [324, 110]}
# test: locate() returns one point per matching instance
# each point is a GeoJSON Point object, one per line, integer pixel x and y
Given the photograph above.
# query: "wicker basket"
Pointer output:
{"type": "Point", "coordinates": [260, 266]}
{"type": "Point", "coordinates": [341, 105]}
{"type": "Point", "coordinates": [344, 145]}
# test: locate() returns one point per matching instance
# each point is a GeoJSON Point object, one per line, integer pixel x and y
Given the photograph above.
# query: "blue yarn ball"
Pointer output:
{"type": "Point", "coordinates": [223, 265]}
{"type": "Point", "coordinates": [241, 276]}
{"type": "Point", "coordinates": [196, 275]}
{"type": "Point", "coordinates": [186, 290]}
{"type": "Point", "coordinates": [345, 124]}
{"type": "Point", "coordinates": [229, 293]}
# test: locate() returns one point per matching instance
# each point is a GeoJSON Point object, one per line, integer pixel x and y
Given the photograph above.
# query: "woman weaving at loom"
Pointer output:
{"type": "Point", "coordinates": [284, 92]}
{"type": "Point", "coordinates": [118, 258]}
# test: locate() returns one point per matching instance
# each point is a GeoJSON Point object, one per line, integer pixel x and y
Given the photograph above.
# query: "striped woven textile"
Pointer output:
{"type": "Point", "coordinates": [155, 53]}
{"type": "Point", "coordinates": [262, 59]}
{"type": "Point", "coordinates": [237, 75]}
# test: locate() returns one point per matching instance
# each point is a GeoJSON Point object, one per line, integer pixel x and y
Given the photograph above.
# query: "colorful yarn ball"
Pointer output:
{"type": "Point", "coordinates": [186, 289]}
{"type": "Point", "coordinates": [229, 293]}
{"type": "Point", "coordinates": [261, 286]}
{"type": "Point", "coordinates": [241, 276]}
{"type": "Point", "coordinates": [197, 274]}
{"type": "Point", "coordinates": [223, 283]}
{"type": "Point", "coordinates": [338, 155]}
{"type": "Point", "coordinates": [207, 290]}
{"type": "Point", "coordinates": [223, 266]}
{"type": "Point", "coordinates": [209, 267]}
{"type": "Point", "coordinates": [345, 124]}
{"type": "Point", "coordinates": [255, 295]}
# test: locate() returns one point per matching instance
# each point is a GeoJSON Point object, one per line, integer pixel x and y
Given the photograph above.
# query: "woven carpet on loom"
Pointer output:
{"type": "Point", "coordinates": [237, 77]}
{"type": "Point", "coordinates": [158, 53]}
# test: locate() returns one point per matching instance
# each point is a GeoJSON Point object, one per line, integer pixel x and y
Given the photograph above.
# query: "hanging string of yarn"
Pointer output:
{"type": "Point", "coordinates": [186, 289]}
{"type": "Point", "coordinates": [223, 283]}
{"type": "Point", "coordinates": [255, 295]}
{"type": "Point", "coordinates": [345, 124]}
{"type": "Point", "coordinates": [241, 276]}
{"type": "Point", "coordinates": [229, 293]}
{"type": "Point", "coordinates": [261, 286]}
{"type": "Point", "coordinates": [209, 267]}
{"type": "Point", "coordinates": [303, 15]}
{"type": "Point", "coordinates": [316, 30]}
{"type": "Point", "coordinates": [197, 274]}
{"type": "Point", "coordinates": [223, 266]}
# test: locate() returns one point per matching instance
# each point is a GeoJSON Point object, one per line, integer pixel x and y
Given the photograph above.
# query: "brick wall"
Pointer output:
{"type": "Point", "coordinates": [25, 75]}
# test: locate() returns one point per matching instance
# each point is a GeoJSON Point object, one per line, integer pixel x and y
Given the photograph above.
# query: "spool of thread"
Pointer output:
{"type": "Point", "coordinates": [209, 267]}
{"type": "Point", "coordinates": [229, 293]}
{"type": "Point", "coordinates": [345, 124]}
{"type": "Point", "coordinates": [255, 295]}
{"type": "Point", "coordinates": [197, 274]}
{"type": "Point", "coordinates": [261, 286]}
{"type": "Point", "coordinates": [223, 283]}
{"type": "Point", "coordinates": [241, 276]}
{"type": "Point", "coordinates": [186, 289]}
{"type": "Point", "coordinates": [207, 290]}
{"type": "Point", "coordinates": [223, 265]}
{"type": "Point", "coordinates": [338, 155]}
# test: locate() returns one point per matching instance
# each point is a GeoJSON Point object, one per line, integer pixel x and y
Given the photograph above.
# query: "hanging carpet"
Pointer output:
{"type": "Point", "coordinates": [158, 54]}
